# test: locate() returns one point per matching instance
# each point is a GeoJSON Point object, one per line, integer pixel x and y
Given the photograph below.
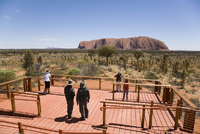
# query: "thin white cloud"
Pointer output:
{"type": "Point", "coordinates": [47, 39]}
{"type": "Point", "coordinates": [17, 10]}
{"type": "Point", "coordinates": [8, 17]}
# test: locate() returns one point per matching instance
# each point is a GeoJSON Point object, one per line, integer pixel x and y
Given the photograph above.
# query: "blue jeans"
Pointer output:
{"type": "Point", "coordinates": [125, 92]}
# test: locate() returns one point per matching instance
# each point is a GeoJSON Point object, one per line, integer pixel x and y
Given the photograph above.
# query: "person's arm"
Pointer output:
{"type": "Point", "coordinates": [88, 96]}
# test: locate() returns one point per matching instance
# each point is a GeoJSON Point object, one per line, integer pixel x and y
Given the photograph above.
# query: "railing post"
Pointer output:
{"type": "Point", "coordinates": [21, 130]}
{"type": "Point", "coordinates": [38, 84]}
{"type": "Point", "coordinates": [138, 99]}
{"type": "Point", "coordinates": [177, 115]}
{"type": "Point", "coordinates": [24, 84]}
{"type": "Point", "coordinates": [60, 132]}
{"type": "Point", "coordinates": [29, 84]}
{"type": "Point", "coordinates": [99, 83]}
{"type": "Point", "coordinates": [113, 91]}
{"type": "Point", "coordinates": [104, 114]}
{"type": "Point", "coordinates": [52, 80]}
{"type": "Point", "coordinates": [104, 131]}
{"type": "Point", "coordinates": [136, 86]}
{"type": "Point", "coordinates": [38, 105]}
{"type": "Point", "coordinates": [150, 116]}
{"type": "Point", "coordinates": [143, 116]}
{"type": "Point", "coordinates": [171, 96]}
{"type": "Point", "coordinates": [8, 91]}
{"type": "Point", "coordinates": [156, 88]}
{"type": "Point", "coordinates": [13, 102]}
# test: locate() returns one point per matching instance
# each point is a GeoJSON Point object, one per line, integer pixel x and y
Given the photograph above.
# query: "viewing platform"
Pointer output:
{"type": "Point", "coordinates": [145, 111]}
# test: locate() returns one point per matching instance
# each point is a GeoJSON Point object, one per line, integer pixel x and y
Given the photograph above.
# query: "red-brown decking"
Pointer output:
{"type": "Point", "coordinates": [54, 114]}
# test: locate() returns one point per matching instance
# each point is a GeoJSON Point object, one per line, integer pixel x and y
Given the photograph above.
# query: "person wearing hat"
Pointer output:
{"type": "Point", "coordinates": [69, 95]}
{"type": "Point", "coordinates": [47, 77]}
{"type": "Point", "coordinates": [118, 77]}
{"type": "Point", "coordinates": [82, 98]}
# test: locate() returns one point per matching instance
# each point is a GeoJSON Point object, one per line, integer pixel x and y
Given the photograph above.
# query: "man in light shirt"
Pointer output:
{"type": "Point", "coordinates": [47, 77]}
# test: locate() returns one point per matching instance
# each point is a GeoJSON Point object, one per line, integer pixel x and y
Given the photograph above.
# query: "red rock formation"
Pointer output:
{"type": "Point", "coordinates": [143, 43]}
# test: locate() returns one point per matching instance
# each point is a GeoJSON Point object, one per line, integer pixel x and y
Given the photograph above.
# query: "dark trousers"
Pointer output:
{"type": "Point", "coordinates": [83, 109]}
{"type": "Point", "coordinates": [70, 104]}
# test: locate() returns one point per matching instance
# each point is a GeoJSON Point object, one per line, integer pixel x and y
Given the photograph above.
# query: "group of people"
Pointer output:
{"type": "Point", "coordinates": [83, 94]}
{"type": "Point", "coordinates": [82, 97]}
{"type": "Point", "coordinates": [119, 77]}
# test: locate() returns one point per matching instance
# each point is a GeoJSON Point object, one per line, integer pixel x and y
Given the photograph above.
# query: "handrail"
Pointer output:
{"type": "Point", "coordinates": [138, 84]}
{"type": "Point", "coordinates": [182, 96]}
{"type": "Point", "coordinates": [47, 129]}
{"type": "Point", "coordinates": [135, 104]}
{"type": "Point", "coordinates": [8, 82]}
{"type": "Point", "coordinates": [154, 107]}
{"type": "Point", "coordinates": [19, 99]}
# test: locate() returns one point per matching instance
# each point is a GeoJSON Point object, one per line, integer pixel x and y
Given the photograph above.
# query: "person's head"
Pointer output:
{"type": "Point", "coordinates": [119, 72]}
{"type": "Point", "coordinates": [70, 82]}
{"type": "Point", "coordinates": [82, 84]}
{"type": "Point", "coordinates": [126, 80]}
{"type": "Point", "coordinates": [47, 71]}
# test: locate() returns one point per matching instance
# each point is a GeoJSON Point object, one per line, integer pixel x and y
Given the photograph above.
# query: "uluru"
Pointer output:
{"type": "Point", "coordinates": [135, 43]}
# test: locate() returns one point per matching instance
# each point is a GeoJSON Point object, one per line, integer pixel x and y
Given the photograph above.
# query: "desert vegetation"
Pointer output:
{"type": "Point", "coordinates": [178, 68]}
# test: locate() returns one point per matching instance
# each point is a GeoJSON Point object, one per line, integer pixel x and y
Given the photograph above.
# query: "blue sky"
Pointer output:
{"type": "Point", "coordinates": [65, 23]}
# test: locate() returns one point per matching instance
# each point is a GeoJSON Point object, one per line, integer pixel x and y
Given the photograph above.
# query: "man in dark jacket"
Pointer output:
{"type": "Point", "coordinates": [118, 77]}
{"type": "Point", "coordinates": [82, 98]}
{"type": "Point", "coordinates": [69, 95]}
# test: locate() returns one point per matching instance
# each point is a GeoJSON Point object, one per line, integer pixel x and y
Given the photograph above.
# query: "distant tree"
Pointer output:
{"type": "Point", "coordinates": [137, 54]}
{"type": "Point", "coordinates": [124, 58]}
{"type": "Point", "coordinates": [39, 60]}
{"type": "Point", "coordinates": [28, 62]}
{"type": "Point", "coordinates": [183, 78]}
{"type": "Point", "coordinates": [106, 51]}
{"type": "Point", "coordinates": [91, 53]}
{"type": "Point", "coordinates": [163, 65]}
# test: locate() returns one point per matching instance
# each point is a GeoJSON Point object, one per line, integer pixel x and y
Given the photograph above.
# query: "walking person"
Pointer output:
{"type": "Point", "coordinates": [125, 90]}
{"type": "Point", "coordinates": [82, 98]}
{"type": "Point", "coordinates": [69, 95]}
{"type": "Point", "coordinates": [47, 77]}
{"type": "Point", "coordinates": [118, 77]}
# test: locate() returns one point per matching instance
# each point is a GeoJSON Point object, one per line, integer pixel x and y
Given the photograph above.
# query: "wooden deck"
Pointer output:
{"type": "Point", "coordinates": [54, 114]}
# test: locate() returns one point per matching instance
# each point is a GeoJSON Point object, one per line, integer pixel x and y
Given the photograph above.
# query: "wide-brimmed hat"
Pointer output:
{"type": "Point", "coordinates": [70, 82]}
{"type": "Point", "coordinates": [47, 71]}
{"type": "Point", "coordinates": [82, 82]}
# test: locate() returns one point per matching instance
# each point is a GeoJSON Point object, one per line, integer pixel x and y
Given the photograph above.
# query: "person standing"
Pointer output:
{"type": "Point", "coordinates": [125, 89]}
{"type": "Point", "coordinates": [118, 77]}
{"type": "Point", "coordinates": [47, 77]}
{"type": "Point", "coordinates": [82, 98]}
{"type": "Point", "coordinates": [69, 95]}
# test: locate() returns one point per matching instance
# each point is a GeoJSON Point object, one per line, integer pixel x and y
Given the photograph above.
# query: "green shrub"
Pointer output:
{"type": "Point", "coordinates": [74, 71]}
{"type": "Point", "coordinates": [6, 75]}
{"type": "Point", "coordinates": [150, 75]}
{"type": "Point", "coordinates": [110, 69]}
{"type": "Point", "coordinates": [195, 101]}
{"type": "Point", "coordinates": [58, 72]}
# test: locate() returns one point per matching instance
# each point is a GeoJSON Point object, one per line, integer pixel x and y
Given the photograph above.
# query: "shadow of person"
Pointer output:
{"type": "Point", "coordinates": [61, 119]}
{"type": "Point", "coordinates": [73, 120]}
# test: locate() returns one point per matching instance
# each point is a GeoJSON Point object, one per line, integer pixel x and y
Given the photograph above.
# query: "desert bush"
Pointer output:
{"type": "Point", "coordinates": [7, 75]}
{"type": "Point", "coordinates": [110, 69]}
{"type": "Point", "coordinates": [90, 69]}
{"type": "Point", "coordinates": [59, 72]}
{"type": "Point", "coordinates": [74, 71]}
{"type": "Point", "coordinates": [150, 75]}
{"type": "Point", "coordinates": [195, 101]}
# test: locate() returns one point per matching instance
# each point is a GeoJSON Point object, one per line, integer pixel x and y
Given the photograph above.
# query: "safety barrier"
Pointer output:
{"type": "Point", "coordinates": [12, 98]}
{"type": "Point", "coordinates": [151, 107]}
{"type": "Point", "coordinates": [23, 127]}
